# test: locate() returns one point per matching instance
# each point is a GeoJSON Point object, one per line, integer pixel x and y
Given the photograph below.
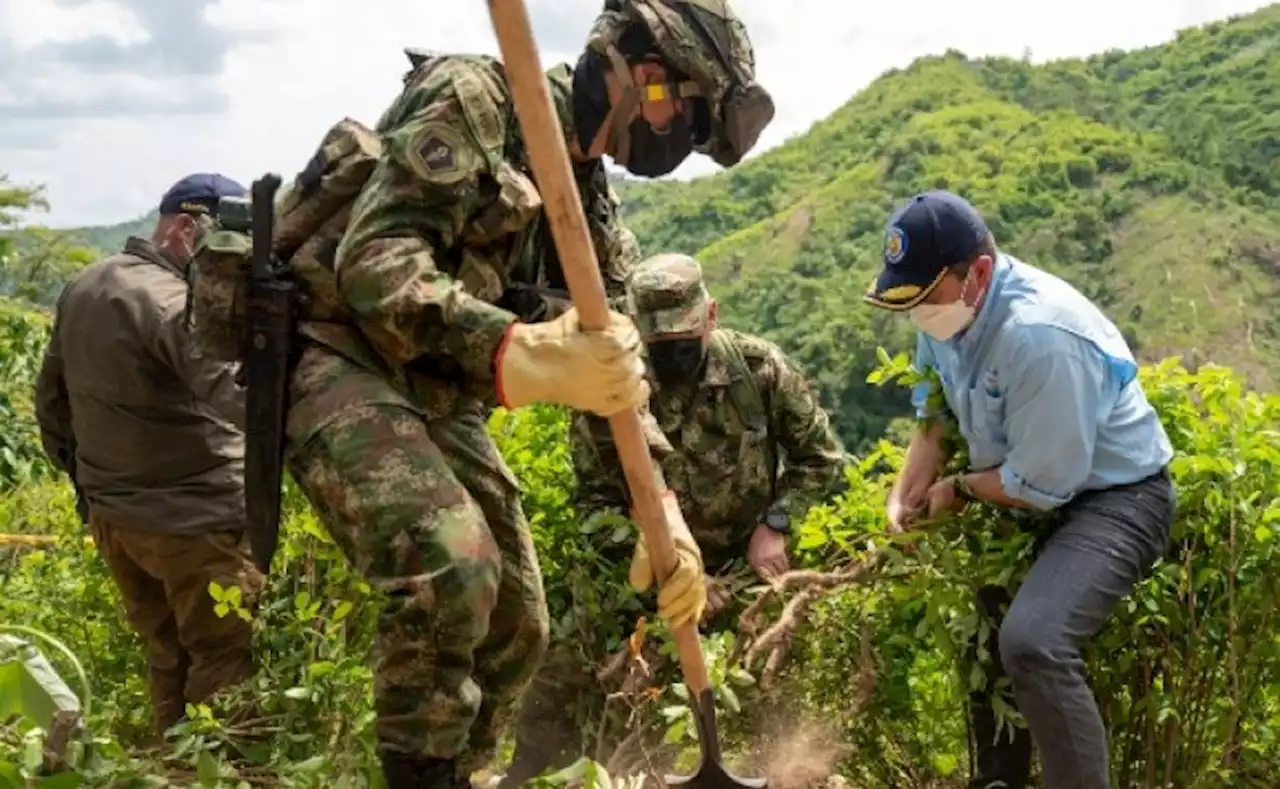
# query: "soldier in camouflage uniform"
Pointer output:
{"type": "Point", "coordinates": [728, 405]}
{"type": "Point", "coordinates": [444, 267]}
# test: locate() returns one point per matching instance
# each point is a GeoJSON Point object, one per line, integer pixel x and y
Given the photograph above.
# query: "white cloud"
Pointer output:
{"type": "Point", "coordinates": [293, 67]}
{"type": "Point", "coordinates": [44, 21]}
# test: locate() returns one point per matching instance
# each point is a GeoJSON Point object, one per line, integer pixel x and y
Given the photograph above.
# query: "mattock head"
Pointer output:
{"type": "Point", "coordinates": [711, 773]}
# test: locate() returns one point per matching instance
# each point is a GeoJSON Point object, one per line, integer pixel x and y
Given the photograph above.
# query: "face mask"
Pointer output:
{"type": "Point", "coordinates": [656, 153]}
{"type": "Point", "coordinates": [944, 321]}
{"type": "Point", "coordinates": [676, 361]}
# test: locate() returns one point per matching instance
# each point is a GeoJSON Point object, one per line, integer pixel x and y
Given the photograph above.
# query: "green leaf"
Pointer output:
{"type": "Point", "coordinates": [676, 731]}
{"type": "Point", "coordinates": [312, 765]}
{"type": "Point", "coordinates": [730, 698]}
{"type": "Point", "coordinates": [207, 770]}
{"type": "Point", "coordinates": [977, 678]}
{"type": "Point", "coordinates": [312, 528]}
{"type": "Point", "coordinates": [10, 776]}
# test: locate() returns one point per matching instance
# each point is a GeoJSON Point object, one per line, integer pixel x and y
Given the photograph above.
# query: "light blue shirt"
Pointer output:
{"type": "Point", "coordinates": [1044, 386]}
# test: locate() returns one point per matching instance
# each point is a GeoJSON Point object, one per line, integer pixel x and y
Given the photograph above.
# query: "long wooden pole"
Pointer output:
{"type": "Point", "coordinates": [545, 139]}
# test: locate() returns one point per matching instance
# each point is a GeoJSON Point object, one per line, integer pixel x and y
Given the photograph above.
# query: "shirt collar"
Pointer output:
{"type": "Point", "coordinates": [971, 337]}
{"type": "Point", "coordinates": [145, 249]}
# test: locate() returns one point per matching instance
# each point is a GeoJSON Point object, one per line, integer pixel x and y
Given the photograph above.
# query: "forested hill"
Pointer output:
{"type": "Point", "coordinates": [1149, 179]}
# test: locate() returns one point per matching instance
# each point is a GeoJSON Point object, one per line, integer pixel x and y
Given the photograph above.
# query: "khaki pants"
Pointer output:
{"type": "Point", "coordinates": [164, 584]}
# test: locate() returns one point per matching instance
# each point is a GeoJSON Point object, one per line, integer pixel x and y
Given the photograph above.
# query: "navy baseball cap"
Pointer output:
{"type": "Point", "coordinates": [930, 233]}
{"type": "Point", "coordinates": [198, 194]}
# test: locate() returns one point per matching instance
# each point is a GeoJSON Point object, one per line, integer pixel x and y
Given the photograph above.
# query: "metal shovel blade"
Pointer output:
{"type": "Point", "coordinates": [711, 773]}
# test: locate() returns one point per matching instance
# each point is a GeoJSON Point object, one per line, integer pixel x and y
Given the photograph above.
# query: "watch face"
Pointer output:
{"type": "Point", "coordinates": [777, 521]}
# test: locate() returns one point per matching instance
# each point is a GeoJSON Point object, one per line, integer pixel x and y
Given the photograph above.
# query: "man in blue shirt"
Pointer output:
{"type": "Point", "coordinates": [1045, 392]}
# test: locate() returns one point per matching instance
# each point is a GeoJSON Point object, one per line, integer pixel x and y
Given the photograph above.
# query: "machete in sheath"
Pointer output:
{"type": "Point", "coordinates": [271, 304]}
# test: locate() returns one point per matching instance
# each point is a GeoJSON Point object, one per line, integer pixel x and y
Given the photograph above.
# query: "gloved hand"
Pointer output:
{"type": "Point", "coordinates": [560, 362]}
{"type": "Point", "coordinates": [682, 597]}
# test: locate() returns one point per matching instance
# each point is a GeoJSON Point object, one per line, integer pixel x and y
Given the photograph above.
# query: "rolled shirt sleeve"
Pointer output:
{"type": "Point", "coordinates": [1051, 417]}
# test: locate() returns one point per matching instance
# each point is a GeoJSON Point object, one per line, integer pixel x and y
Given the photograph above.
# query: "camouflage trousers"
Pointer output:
{"type": "Point", "coordinates": [429, 513]}
{"type": "Point", "coordinates": [164, 584]}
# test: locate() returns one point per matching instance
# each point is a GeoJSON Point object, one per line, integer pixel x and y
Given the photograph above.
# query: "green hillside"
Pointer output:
{"type": "Point", "coordinates": [1148, 179]}
{"type": "Point", "coordinates": [111, 238]}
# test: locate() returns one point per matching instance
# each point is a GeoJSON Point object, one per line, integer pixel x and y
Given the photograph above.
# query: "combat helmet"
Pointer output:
{"type": "Point", "coordinates": [707, 41]}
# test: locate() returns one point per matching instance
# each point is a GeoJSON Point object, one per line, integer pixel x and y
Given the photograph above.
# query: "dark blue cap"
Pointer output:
{"type": "Point", "coordinates": [198, 194]}
{"type": "Point", "coordinates": [930, 233]}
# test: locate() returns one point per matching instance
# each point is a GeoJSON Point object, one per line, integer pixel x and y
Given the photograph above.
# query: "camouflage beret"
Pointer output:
{"type": "Point", "coordinates": [667, 295]}
{"type": "Point", "coordinates": [706, 40]}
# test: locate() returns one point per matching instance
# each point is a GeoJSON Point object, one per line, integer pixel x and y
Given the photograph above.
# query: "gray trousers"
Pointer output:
{"type": "Point", "coordinates": [1103, 544]}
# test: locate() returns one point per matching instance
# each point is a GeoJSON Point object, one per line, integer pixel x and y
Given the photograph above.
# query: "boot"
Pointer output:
{"type": "Point", "coordinates": [404, 771]}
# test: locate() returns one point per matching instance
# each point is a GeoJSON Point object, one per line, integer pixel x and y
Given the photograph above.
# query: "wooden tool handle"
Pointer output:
{"type": "Point", "coordinates": [545, 139]}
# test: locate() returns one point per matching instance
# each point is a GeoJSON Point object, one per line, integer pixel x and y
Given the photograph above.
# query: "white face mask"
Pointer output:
{"type": "Point", "coordinates": [943, 321]}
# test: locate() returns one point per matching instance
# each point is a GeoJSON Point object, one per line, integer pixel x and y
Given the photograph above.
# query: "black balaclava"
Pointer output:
{"type": "Point", "coordinates": [678, 361]}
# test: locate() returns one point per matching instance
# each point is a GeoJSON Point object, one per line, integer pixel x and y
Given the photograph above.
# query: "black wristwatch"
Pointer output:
{"type": "Point", "coordinates": [777, 519]}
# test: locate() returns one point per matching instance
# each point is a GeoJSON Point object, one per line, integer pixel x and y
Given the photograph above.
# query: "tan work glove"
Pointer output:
{"type": "Point", "coordinates": [682, 597]}
{"type": "Point", "coordinates": [560, 362]}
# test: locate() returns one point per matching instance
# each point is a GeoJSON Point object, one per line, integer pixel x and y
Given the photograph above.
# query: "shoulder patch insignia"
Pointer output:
{"type": "Point", "coordinates": [438, 154]}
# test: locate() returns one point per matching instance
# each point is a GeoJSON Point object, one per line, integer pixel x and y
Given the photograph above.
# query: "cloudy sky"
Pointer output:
{"type": "Point", "coordinates": [107, 102]}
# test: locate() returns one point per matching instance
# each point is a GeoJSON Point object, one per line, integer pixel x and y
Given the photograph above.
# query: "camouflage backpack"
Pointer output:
{"type": "Point", "coordinates": [706, 40]}
{"type": "Point", "coordinates": [311, 215]}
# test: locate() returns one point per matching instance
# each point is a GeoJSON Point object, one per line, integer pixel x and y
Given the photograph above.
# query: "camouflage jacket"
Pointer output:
{"type": "Point", "coordinates": [445, 226]}
{"type": "Point", "coordinates": [727, 467]}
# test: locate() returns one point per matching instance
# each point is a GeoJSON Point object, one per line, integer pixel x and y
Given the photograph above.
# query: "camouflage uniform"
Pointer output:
{"type": "Point", "coordinates": [386, 426]}
{"type": "Point", "coordinates": [719, 450]}
{"type": "Point", "coordinates": [415, 283]}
